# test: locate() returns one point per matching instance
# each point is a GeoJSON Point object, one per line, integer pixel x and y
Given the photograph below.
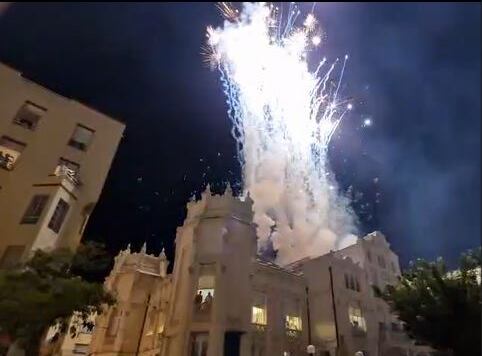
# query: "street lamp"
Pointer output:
{"type": "Point", "coordinates": [310, 349]}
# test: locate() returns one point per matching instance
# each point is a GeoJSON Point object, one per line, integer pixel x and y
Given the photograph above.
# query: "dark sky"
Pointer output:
{"type": "Point", "coordinates": [414, 69]}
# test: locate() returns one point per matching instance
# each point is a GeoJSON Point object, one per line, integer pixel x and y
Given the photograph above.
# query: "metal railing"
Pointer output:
{"type": "Point", "coordinates": [70, 174]}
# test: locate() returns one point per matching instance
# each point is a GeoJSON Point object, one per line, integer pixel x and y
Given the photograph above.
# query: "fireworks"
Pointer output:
{"type": "Point", "coordinates": [284, 116]}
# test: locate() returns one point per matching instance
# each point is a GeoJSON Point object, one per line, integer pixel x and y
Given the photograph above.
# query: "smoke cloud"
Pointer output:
{"type": "Point", "coordinates": [284, 116]}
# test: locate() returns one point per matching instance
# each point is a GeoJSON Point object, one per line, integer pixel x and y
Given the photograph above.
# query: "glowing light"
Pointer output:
{"type": "Point", "coordinates": [367, 122]}
{"type": "Point", "coordinates": [310, 22]}
{"type": "Point", "coordinates": [284, 116]}
{"type": "Point", "coordinates": [316, 40]}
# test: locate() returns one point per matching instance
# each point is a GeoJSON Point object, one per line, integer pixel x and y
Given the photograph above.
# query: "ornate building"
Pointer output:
{"type": "Point", "coordinates": [221, 299]}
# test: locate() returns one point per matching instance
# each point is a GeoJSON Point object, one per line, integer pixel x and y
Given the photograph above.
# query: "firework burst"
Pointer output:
{"type": "Point", "coordinates": [284, 116]}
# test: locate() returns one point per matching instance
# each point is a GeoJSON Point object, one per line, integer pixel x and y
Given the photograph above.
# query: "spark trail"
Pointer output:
{"type": "Point", "coordinates": [284, 116]}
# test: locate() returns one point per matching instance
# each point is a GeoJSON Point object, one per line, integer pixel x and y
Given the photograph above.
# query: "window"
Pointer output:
{"type": "Point", "coordinates": [381, 262]}
{"type": "Point", "coordinates": [293, 322]}
{"type": "Point", "coordinates": [205, 293]}
{"type": "Point", "coordinates": [258, 311]}
{"type": "Point", "coordinates": [352, 283]}
{"type": "Point", "coordinates": [34, 210]}
{"type": "Point", "coordinates": [11, 256]}
{"type": "Point", "coordinates": [58, 216]}
{"type": "Point", "coordinates": [151, 323]}
{"type": "Point", "coordinates": [81, 137]}
{"type": "Point", "coordinates": [356, 318]}
{"type": "Point", "coordinates": [81, 349]}
{"type": "Point", "coordinates": [293, 314]}
{"type": "Point", "coordinates": [29, 115]}
{"type": "Point", "coordinates": [357, 285]}
{"type": "Point", "coordinates": [199, 344]}
{"type": "Point", "coordinates": [369, 256]}
{"type": "Point", "coordinates": [394, 270]}
{"type": "Point", "coordinates": [10, 151]}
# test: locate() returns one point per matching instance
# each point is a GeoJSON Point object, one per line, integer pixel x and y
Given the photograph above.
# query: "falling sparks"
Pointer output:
{"type": "Point", "coordinates": [284, 116]}
{"type": "Point", "coordinates": [316, 40]}
{"type": "Point", "coordinates": [310, 22]}
{"type": "Point", "coordinates": [367, 122]}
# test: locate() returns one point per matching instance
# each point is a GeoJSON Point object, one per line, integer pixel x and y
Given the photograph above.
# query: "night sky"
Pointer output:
{"type": "Point", "coordinates": [414, 70]}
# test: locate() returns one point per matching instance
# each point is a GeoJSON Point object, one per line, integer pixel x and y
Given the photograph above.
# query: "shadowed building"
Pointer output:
{"type": "Point", "coordinates": [55, 154]}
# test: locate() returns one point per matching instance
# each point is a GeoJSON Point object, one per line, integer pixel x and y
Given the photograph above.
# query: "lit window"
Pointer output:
{"type": "Point", "coordinates": [34, 210]}
{"type": "Point", "coordinates": [292, 312]}
{"type": "Point", "coordinates": [81, 137]}
{"type": "Point", "coordinates": [258, 311]}
{"type": "Point", "coordinates": [293, 322]}
{"type": "Point", "coordinates": [11, 256]}
{"type": "Point", "coordinates": [161, 323]}
{"type": "Point", "coordinates": [29, 115]}
{"type": "Point", "coordinates": [10, 151]}
{"type": "Point", "coordinates": [152, 323]}
{"type": "Point", "coordinates": [356, 318]}
{"type": "Point", "coordinates": [58, 216]}
{"type": "Point", "coordinates": [205, 293]}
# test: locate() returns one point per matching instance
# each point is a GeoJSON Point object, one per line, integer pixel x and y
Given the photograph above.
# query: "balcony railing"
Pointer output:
{"type": "Point", "coordinates": [202, 311]}
{"type": "Point", "coordinates": [70, 174]}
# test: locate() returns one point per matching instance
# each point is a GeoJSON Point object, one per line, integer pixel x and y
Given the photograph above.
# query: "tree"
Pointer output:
{"type": "Point", "coordinates": [441, 308]}
{"type": "Point", "coordinates": [44, 293]}
{"type": "Point", "coordinates": [92, 262]}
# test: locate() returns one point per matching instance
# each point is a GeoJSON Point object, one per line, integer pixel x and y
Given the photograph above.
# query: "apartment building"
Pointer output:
{"type": "Point", "coordinates": [55, 154]}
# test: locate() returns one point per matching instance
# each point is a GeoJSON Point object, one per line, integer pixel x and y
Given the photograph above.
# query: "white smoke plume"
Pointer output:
{"type": "Point", "coordinates": [283, 118]}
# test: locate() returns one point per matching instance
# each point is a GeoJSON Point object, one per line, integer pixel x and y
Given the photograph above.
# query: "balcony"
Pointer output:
{"type": "Point", "coordinates": [202, 310]}
{"type": "Point", "coordinates": [71, 175]}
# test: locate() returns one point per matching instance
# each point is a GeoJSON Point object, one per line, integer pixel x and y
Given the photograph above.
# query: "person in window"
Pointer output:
{"type": "Point", "coordinates": [208, 301]}
{"type": "Point", "coordinates": [198, 300]}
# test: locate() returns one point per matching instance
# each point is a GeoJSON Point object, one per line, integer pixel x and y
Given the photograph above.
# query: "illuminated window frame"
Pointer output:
{"type": "Point", "coordinates": [293, 322]}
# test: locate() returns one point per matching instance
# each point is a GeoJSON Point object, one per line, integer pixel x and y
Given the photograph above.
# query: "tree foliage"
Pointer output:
{"type": "Point", "coordinates": [441, 308]}
{"type": "Point", "coordinates": [46, 292]}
